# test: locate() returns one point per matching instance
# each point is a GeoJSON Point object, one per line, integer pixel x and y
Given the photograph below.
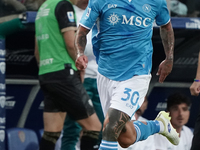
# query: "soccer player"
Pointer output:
{"type": "Point", "coordinates": [195, 90]}
{"type": "Point", "coordinates": [60, 82]}
{"type": "Point", "coordinates": [178, 106]}
{"type": "Point", "coordinates": [124, 60]}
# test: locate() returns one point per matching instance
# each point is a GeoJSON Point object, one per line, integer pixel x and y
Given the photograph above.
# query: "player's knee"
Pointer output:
{"type": "Point", "coordinates": [126, 142]}
{"type": "Point", "coordinates": [98, 126]}
{"type": "Point", "coordinates": [51, 136]}
{"type": "Point", "coordinates": [91, 123]}
{"type": "Point", "coordinates": [92, 134]}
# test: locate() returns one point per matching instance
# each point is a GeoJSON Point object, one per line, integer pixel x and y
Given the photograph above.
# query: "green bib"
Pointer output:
{"type": "Point", "coordinates": [51, 45]}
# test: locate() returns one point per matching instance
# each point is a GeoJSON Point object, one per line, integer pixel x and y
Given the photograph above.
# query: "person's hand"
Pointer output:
{"type": "Point", "coordinates": [81, 62]}
{"type": "Point", "coordinates": [164, 69]}
{"type": "Point", "coordinates": [195, 88]}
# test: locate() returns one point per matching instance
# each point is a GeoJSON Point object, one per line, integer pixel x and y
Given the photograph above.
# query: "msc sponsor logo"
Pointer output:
{"type": "Point", "coordinates": [2, 67]}
{"type": "Point", "coordinates": [2, 135]}
{"type": "Point", "coordinates": [2, 101]}
{"type": "Point", "coordinates": [132, 20]}
{"type": "Point", "coordinates": [113, 18]}
{"type": "Point", "coordinates": [2, 52]}
{"type": "Point", "coordinates": [194, 24]}
{"type": "Point", "coordinates": [138, 21]}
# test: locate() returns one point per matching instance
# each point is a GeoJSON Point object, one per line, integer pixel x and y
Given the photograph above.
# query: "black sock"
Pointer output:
{"type": "Point", "coordinates": [48, 140]}
{"type": "Point", "coordinates": [90, 140]}
{"type": "Point", "coordinates": [46, 145]}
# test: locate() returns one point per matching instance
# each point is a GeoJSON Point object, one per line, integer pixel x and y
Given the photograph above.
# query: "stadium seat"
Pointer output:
{"type": "Point", "coordinates": [40, 134]}
{"type": "Point", "coordinates": [21, 139]}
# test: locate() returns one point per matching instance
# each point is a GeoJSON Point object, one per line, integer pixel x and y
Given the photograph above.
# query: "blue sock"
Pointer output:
{"type": "Point", "coordinates": [144, 131]}
{"type": "Point", "coordinates": [108, 145]}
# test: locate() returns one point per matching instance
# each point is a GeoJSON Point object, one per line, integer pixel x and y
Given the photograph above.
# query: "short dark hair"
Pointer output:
{"type": "Point", "coordinates": [176, 99]}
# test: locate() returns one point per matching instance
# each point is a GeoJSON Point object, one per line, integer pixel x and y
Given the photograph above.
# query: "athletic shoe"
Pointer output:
{"type": "Point", "coordinates": [169, 131]}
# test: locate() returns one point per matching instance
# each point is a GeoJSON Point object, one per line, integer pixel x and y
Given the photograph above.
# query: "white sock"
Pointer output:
{"type": "Point", "coordinates": [162, 128]}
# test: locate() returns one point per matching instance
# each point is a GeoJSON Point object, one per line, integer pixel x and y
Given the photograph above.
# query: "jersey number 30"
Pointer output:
{"type": "Point", "coordinates": [132, 96]}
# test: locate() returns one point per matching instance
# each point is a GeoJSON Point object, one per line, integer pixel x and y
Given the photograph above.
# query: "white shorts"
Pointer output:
{"type": "Point", "coordinates": [126, 96]}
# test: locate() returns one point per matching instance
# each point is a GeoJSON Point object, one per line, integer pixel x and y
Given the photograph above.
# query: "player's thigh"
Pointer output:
{"type": "Point", "coordinates": [66, 94]}
{"type": "Point", "coordinates": [104, 86]}
{"type": "Point", "coordinates": [129, 95]}
{"type": "Point", "coordinates": [90, 123]}
{"type": "Point", "coordinates": [53, 121]}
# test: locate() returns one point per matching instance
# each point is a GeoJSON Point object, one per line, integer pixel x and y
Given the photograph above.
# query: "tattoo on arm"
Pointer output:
{"type": "Point", "coordinates": [80, 40]}
{"type": "Point", "coordinates": [167, 36]}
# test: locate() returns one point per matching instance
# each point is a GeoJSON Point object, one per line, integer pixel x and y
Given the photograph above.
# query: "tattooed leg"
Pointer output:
{"type": "Point", "coordinates": [115, 123]}
{"type": "Point", "coordinates": [128, 135]}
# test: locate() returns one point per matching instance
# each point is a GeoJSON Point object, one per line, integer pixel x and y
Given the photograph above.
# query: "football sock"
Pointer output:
{"type": "Point", "coordinates": [108, 145]}
{"type": "Point", "coordinates": [45, 144]}
{"type": "Point", "coordinates": [145, 130]}
{"type": "Point", "coordinates": [48, 140]}
{"type": "Point", "coordinates": [89, 140]}
{"type": "Point", "coordinates": [162, 128]}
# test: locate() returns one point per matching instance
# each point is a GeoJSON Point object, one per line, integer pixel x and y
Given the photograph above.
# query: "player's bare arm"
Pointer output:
{"type": "Point", "coordinates": [69, 37]}
{"type": "Point", "coordinates": [167, 36]}
{"type": "Point", "coordinates": [195, 87]}
{"type": "Point", "coordinates": [80, 43]}
{"type": "Point", "coordinates": [81, 40]}
{"type": "Point", "coordinates": [198, 68]}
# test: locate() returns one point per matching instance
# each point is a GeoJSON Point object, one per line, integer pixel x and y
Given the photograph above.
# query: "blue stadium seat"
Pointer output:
{"type": "Point", "coordinates": [21, 139]}
{"type": "Point", "coordinates": [40, 134]}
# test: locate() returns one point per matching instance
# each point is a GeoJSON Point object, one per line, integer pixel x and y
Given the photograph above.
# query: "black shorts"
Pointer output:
{"type": "Point", "coordinates": [64, 92]}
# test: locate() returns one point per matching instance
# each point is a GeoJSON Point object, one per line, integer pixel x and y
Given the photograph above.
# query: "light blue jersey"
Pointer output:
{"type": "Point", "coordinates": [125, 31]}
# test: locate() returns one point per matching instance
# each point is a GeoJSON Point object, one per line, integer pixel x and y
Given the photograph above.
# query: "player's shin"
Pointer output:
{"type": "Point", "coordinates": [145, 130]}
